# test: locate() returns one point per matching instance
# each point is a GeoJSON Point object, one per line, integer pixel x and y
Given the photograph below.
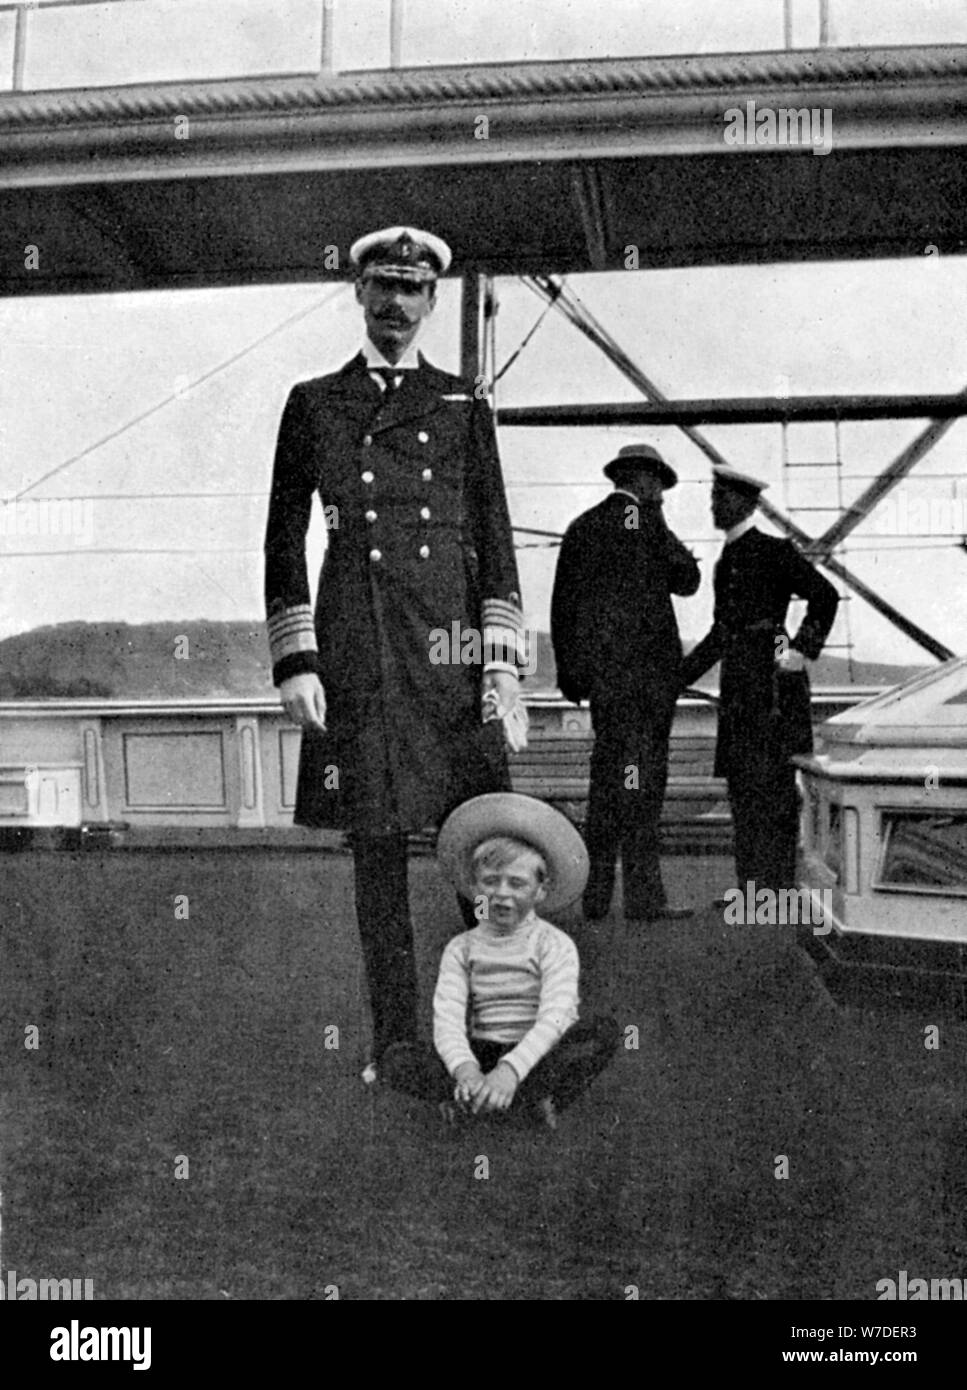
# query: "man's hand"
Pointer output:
{"type": "Point", "coordinates": [469, 1079]}
{"type": "Point", "coordinates": [498, 1089]}
{"type": "Point", "coordinates": [502, 700]}
{"type": "Point", "coordinates": [304, 701]}
{"type": "Point", "coordinates": [790, 660]}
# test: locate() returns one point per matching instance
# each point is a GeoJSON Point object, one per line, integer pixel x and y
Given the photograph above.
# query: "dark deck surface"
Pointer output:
{"type": "Point", "coordinates": [204, 1038]}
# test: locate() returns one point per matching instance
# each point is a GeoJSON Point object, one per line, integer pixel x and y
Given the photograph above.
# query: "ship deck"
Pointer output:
{"type": "Point", "coordinates": [163, 1039]}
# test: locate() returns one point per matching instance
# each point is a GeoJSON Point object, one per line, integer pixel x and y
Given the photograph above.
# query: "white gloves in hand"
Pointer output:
{"type": "Point", "coordinates": [305, 704]}
{"type": "Point", "coordinates": [502, 700]}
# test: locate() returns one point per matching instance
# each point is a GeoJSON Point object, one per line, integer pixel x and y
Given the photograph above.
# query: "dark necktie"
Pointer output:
{"type": "Point", "coordinates": [390, 375]}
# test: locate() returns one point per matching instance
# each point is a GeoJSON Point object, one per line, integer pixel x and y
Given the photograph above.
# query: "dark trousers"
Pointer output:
{"type": "Point", "coordinates": [765, 821]}
{"type": "Point", "coordinates": [567, 1070]}
{"type": "Point", "coordinates": [631, 732]}
{"type": "Point", "coordinates": [386, 936]}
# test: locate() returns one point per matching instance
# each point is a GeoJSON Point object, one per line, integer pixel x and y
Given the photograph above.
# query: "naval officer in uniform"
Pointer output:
{"type": "Point", "coordinates": [764, 700]}
{"type": "Point", "coordinates": [417, 625]}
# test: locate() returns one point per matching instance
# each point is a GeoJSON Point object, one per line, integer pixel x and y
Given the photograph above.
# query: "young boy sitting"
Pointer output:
{"type": "Point", "coordinates": [515, 973]}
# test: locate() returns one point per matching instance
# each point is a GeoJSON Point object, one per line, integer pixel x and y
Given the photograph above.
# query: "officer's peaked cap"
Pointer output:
{"type": "Point", "coordinates": [742, 483]}
{"type": "Point", "coordinates": [403, 252]}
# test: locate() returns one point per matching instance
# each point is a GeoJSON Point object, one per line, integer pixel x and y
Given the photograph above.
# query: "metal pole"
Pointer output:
{"type": "Point", "coordinates": [894, 473]}
{"type": "Point", "coordinates": [824, 23]}
{"type": "Point", "coordinates": [396, 34]}
{"type": "Point", "coordinates": [787, 23]}
{"type": "Point", "coordinates": [19, 48]}
{"type": "Point", "coordinates": [471, 365]}
{"type": "Point", "coordinates": [752, 410]}
{"type": "Point", "coordinates": [551, 290]}
{"type": "Point", "coordinates": [328, 24]}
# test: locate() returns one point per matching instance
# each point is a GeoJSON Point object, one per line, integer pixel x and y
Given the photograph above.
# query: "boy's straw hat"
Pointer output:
{"type": "Point", "coordinates": [522, 818]}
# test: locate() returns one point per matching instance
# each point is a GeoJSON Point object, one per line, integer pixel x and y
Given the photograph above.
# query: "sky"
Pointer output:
{"type": "Point", "coordinates": [136, 542]}
{"type": "Point", "coordinates": [73, 43]}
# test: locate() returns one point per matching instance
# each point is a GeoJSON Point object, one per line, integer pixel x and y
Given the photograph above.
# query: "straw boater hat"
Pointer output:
{"type": "Point", "coordinates": [643, 456]}
{"type": "Point", "coordinates": [522, 818]}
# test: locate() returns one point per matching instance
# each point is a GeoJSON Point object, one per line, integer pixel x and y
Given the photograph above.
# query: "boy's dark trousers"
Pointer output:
{"type": "Point", "coordinates": [568, 1069]}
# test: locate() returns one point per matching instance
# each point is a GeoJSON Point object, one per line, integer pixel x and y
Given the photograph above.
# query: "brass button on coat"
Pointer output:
{"type": "Point", "coordinates": [375, 556]}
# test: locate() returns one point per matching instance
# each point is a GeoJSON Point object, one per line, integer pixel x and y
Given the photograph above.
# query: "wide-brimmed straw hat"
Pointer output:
{"type": "Point", "coordinates": [522, 818]}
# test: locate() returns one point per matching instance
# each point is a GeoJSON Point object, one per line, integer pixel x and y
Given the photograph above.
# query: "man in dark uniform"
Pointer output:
{"type": "Point", "coordinates": [764, 710]}
{"type": "Point", "coordinates": [418, 615]}
{"type": "Point", "coordinates": [616, 642]}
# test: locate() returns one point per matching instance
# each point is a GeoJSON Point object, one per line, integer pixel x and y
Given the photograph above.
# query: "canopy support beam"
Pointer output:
{"type": "Point", "coordinates": [551, 289]}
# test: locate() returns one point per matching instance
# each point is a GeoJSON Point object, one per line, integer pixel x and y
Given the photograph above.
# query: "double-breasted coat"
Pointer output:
{"type": "Point", "coordinates": [418, 585]}
{"type": "Point", "coordinates": [764, 715]}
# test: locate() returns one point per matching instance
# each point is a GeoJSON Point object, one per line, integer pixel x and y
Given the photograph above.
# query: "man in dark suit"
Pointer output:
{"type": "Point", "coordinates": [417, 619]}
{"type": "Point", "coordinates": [616, 643]}
{"type": "Point", "coordinates": [764, 710]}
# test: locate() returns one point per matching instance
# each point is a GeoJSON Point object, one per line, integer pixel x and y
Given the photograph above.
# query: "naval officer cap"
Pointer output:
{"type": "Point", "coordinates": [633, 458]}
{"type": "Point", "coordinates": [402, 253]}
{"type": "Point", "coordinates": [742, 483]}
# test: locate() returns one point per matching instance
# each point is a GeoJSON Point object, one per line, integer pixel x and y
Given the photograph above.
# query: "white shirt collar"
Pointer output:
{"type": "Point", "coordinates": [739, 529]}
{"type": "Point", "coordinates": [374, 358]}
{"type": "Point", "coordinates": [633, 495]}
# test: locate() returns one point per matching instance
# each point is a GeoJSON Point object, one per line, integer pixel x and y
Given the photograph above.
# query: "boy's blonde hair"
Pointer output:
{"type": "Point", "coordinates": [500, 850]}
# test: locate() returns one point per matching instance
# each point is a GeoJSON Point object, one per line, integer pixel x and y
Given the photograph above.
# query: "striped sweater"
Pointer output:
{"type": "Point", "coordinates": [522, 988]}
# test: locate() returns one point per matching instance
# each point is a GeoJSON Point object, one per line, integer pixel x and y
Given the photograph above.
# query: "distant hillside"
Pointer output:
{"type": "Point", "coordinates": [140, 661]}
{"type": "Point", "coordinates": [836, 672]}
{"type": "Point", "coordinates": [827, 671]}
{"type": "Point", "coordinates": [136, 661]}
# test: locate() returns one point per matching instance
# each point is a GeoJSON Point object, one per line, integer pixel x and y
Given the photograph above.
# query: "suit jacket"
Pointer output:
{"type": "Point", "coordinates": [419, 555]}
{"type": "Point", "coordinates": [612, 619]}
{"type": "Point", "coordinates": [764, 716]}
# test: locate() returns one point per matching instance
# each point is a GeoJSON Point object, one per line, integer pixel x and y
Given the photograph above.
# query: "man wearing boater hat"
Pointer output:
{"type": "Point", "coordinates": [764, 709]}
{"type": "Point", "coordinates": [405, 461]}
{"type": "Point", "coordinates": [616, 643]}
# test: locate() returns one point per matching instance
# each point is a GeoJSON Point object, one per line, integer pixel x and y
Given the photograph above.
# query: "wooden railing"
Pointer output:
{"type": "Point", "coordinates": [233, 763]}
